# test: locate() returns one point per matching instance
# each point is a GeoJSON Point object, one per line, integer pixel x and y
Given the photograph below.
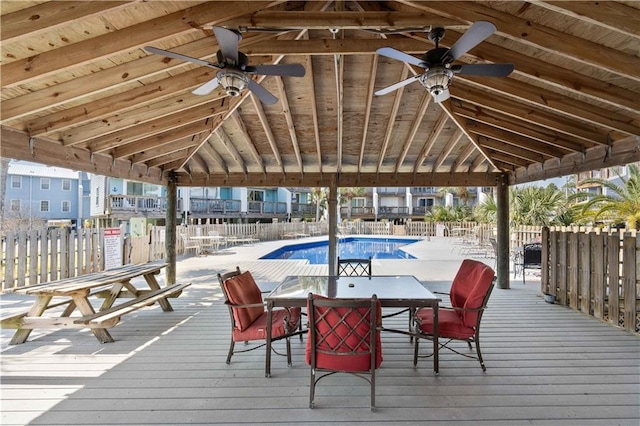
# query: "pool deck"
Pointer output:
{"type": "Point", "coordinates": [546, 364]}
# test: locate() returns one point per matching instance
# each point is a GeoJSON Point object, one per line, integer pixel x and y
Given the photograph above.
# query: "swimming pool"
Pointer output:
{"type": "Point", "coordinates": [317, 252]}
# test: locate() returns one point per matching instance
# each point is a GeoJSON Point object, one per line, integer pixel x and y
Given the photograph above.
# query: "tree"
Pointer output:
{"type": "Point", "coordinates": [621, 206]}
{"type": "Point", "coordinates": [319, 197]}
{"type": "Point", "coordinates": [533, 205]}
{"type": "Point", "coordinates": [349, 193]}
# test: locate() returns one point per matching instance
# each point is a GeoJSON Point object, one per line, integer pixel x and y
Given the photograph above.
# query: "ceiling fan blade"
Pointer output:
{"type": "Point", "coordinates": [396, 86]}
{"type": "Point", "coordinates": [173, 55]}
{"type": "Point", "coordinates": [284, 70]}
{"type": "Point", "coordinates": [475, 35]}
{"type": "Point", "coordinates": [228, 41]}
{"type": "Point", "coordinates": [442, 96]}
{"type": "Point", "coordinates": [392, 53]}
{"type": "Point", "coordinates": [262, 93]}
{"type": "Point", "coordinates": [207, 88]}
{"type": "Point", "coordinates": [489, 70]}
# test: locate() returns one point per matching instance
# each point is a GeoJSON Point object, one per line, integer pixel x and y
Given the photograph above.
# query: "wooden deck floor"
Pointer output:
{"type": "Point", "coordinates": [545, 365]}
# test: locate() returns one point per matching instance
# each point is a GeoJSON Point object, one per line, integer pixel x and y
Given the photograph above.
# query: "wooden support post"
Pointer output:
{"type": "Point", "coordinates": [502, 237]}
{"type": "Point", "coordinates": [170, 227]}
{"type": "Point", "coordinates": [333, 227]}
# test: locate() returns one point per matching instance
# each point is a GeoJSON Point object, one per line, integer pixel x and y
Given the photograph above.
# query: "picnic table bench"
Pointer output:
{"type": "Point", "coordinates": [111, 285]}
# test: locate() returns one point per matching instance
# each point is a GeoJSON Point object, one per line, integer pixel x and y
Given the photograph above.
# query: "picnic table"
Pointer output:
{"type": "Point", "coordinates": [77, 293]}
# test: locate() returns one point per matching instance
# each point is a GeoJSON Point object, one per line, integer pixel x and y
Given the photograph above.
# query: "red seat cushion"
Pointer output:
{"type": "Point", "coordinates": [352, 352]}
{"type": "Point", "coordinates": [258, 330]}
{"type": "Point", "coordinates": [449, 323]}
{"type": "Point", "coordinates": [469, 288]}
{"type": "Point", "coordinates": [243, 290]}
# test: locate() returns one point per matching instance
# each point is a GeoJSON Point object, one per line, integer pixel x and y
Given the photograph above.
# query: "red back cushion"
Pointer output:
{"type": "Point", "coordinates": [342, 340]}
{"type": "Point", "coordinates": [243, 290]}
{"type": "Point", "coordinates": [469, 288]}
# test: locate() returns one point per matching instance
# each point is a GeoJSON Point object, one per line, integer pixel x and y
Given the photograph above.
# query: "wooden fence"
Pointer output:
{"type": "Point", "coordinates": [595, 272]}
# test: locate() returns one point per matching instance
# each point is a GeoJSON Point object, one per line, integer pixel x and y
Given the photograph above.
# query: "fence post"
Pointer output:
{"type": "Point", "coordinates": [631, 248]}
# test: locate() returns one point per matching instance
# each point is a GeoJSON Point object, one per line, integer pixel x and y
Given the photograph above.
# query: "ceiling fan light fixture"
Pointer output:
{"type": "Point", "coordinates": [233, 82]}
{"type": "Point", "coordinates": [436, 79]}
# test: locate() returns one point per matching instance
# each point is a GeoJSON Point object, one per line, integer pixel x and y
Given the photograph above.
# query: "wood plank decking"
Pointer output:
{"type": "Point", "coordinates": [545, 364]}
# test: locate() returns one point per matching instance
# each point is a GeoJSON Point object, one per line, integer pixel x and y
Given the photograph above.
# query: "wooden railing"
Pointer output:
{"type": "Point", "coordinates": [595, 272]}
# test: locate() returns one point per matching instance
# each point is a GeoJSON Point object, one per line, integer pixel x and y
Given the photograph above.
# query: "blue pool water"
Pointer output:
{"type": "Point", "coordinates": [317, 253]}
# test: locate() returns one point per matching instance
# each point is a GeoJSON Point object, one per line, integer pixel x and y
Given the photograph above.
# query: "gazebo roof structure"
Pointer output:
{"type": "Point", "coordinates": [79, 90]}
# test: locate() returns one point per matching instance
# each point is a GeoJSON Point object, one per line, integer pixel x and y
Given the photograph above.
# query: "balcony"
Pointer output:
{"type": "Point", "coordinates": [203, 207]}
{"type": "Point", "coordinates": [421, 210]}
{"type": "Point", "coordinates": [131, 205]}
{"type": "Point", "coordinates": [299, 210]}
{"type": "Point", "coordinates": [389, 212]}
{"type": "Point", "coordinates": [358, 212]}
{"type": "Point", "coordinates": [266, 209]}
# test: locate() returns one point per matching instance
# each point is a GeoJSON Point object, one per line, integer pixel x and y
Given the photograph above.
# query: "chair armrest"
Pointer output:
{"type": "Point", "coordinates": [441, 292]}
{"type": "Point", "coordinates": [250, 305]}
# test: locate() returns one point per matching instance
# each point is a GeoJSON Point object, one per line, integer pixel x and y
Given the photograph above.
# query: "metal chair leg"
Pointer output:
{"type": "Point", "coordinates": [231, 346]}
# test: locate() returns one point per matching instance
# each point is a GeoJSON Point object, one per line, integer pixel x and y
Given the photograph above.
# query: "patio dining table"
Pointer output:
{"type": "Point", "coordinates": [393, 291]}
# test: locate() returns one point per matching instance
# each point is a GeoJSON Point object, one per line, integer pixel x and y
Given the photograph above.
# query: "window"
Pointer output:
{"type": "Point", "coordinates": [66, 184]}
{"type": "Point", "coordinates": [16, 182]}
{"type": "Point", "coordinates": [358, 202]}
{"type": "Point", "coordinates": [254, 195]}
{"type": "Point", "coordinates": [98, 197]}
{"type": "Point", "coordinates": [45, 183]}
{"type": "Point", "coordinates": [44, 205]}
{"type": "Point", "coordinates": [15, 205]}
{"type": "Point", "coordinates": [66, 206]}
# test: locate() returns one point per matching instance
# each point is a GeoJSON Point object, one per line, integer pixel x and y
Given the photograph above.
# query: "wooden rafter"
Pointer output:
{"type": "Point", "coordinates": [286, 110]}
{"type": "Point", "coordinates": [429, 141]}
{"type": "Point", "coordinates": [417, 121]}
{"type": "Point", "coordinates": [392, 118]}
{"type": "Point", "coordinates": [257, 105]}
{"type": "Point", "coordinates": [166, 149]}
{"type": "Point", "coordinates": [367, 109]}
{"type": "Point", "coordinates": [453, 141]}
{"type": "Point", "coordinates": [207, 149]}
{"type": "Point", "coordinates": [254, 152]}
{"type": "Point", "coordinates": [231, 149]}
{"type": "Point", "coordinates": [463, 156]}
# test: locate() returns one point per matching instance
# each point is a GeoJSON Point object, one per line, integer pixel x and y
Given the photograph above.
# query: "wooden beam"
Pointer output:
{"type": "Point", "coordinates": [231, 149]}
{"type": "Point", "coordinates": [243, 130]}
{"type": "Point", "coordinates": [518, 127]}
{"type": "Point", "coordinates": [417, 121]}
{"type": "Point", "coordinates": [453, 141]}
{"type": "Point", "coordinates": [516, 140]}
{"type": "Point", "coordinates": [176, 145]}
{"type": "Point", "coordinates": [18, 145]}
{"type": "Point", "coordinates": [33, 21]}
{"type": "Point", "coordinates": [367, 109]}
{"type": "Point", "coordinates": [286, 110]}
{"type": "Point", "coordinates": [207, 148]}
{"type": "Point", "coordinates": [125, 75]}
{"type": "Point", "coordinates": [462, 157]}
{"type": "Point", "coordinates": [340, 20]}
{"type": "Point", "coordinates": [614, 16]}
{"type": "Point", "coordinates": [148, 128]}
{"type": "Point", "coordinates": [622, 152]}
{"type": "Point", "coordinates": [505, 148]}
{"type": "Point", "coordinates": [257, 105]}
{"type": "Point", "coordinates": [539, 36]}
{"type": "Point", "coordinates": [525, 112]}
{"type": "Point", "coordinates": [122, 40]}
{"type": "Point", "coordinates": [313, 179]}
{"type": "Point", "coordinates": [392, 118]}
{"type": "Point", "coordinates": [430, 140]}
{"type": "Point", "coordinates": [560, 105]}
{"type": "Point", "coordinates": [329, 46]}
{"type": "Point", "coordinates": [446, 106]}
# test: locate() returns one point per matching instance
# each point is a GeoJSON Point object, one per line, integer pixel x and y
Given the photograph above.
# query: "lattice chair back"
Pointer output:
{"type": "Point", "coordinates": [354, 267]}
{"type": "Point", "coordinates": [344, 336]}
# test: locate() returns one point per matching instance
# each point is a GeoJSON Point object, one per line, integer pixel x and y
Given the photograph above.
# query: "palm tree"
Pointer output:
{"type": "Point", "coordinates": [319, 197]}
{"type": "Point", "coordinates": [349, 193]}
{"type": "Point", "coordinates": [534, 205]}
{"type": "Point", "coordinates": [621, 206]}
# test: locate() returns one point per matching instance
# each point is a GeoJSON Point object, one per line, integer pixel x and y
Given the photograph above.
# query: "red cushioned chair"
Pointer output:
{"type": "Point", "coordinates": [344, 337]}
{"type": "Point", "coordinates": [469, 294]}
{"type": "Point", "coordinates": [249, 317]}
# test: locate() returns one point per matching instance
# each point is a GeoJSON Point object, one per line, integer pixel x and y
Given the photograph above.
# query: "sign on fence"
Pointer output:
{"type": "Point", "coordinates": [112, 248]}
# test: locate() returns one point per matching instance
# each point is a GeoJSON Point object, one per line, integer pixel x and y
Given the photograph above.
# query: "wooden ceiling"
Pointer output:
{"type": "Point", "coordinates": [80, 91]}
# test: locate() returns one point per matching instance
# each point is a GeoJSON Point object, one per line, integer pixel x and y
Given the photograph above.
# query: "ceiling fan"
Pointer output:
{"type": "Point", "coordinates": [234, 68]}
{"type": "Point", "coordinates": [437, 61]}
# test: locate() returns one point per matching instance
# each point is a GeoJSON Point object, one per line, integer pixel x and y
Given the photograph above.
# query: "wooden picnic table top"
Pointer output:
{"type": "Point", "coordinates": [92, 280]}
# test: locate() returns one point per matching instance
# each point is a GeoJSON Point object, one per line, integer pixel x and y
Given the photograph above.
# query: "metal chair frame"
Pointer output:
{"type": "Point", "coordinates": [297, 330]}
{"type": "Point", "coordinates": [367, 312]}
{"type": "Point", "coordinates": [354, 267]}
{"type": "Point", "coordinates": [475, 339]}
